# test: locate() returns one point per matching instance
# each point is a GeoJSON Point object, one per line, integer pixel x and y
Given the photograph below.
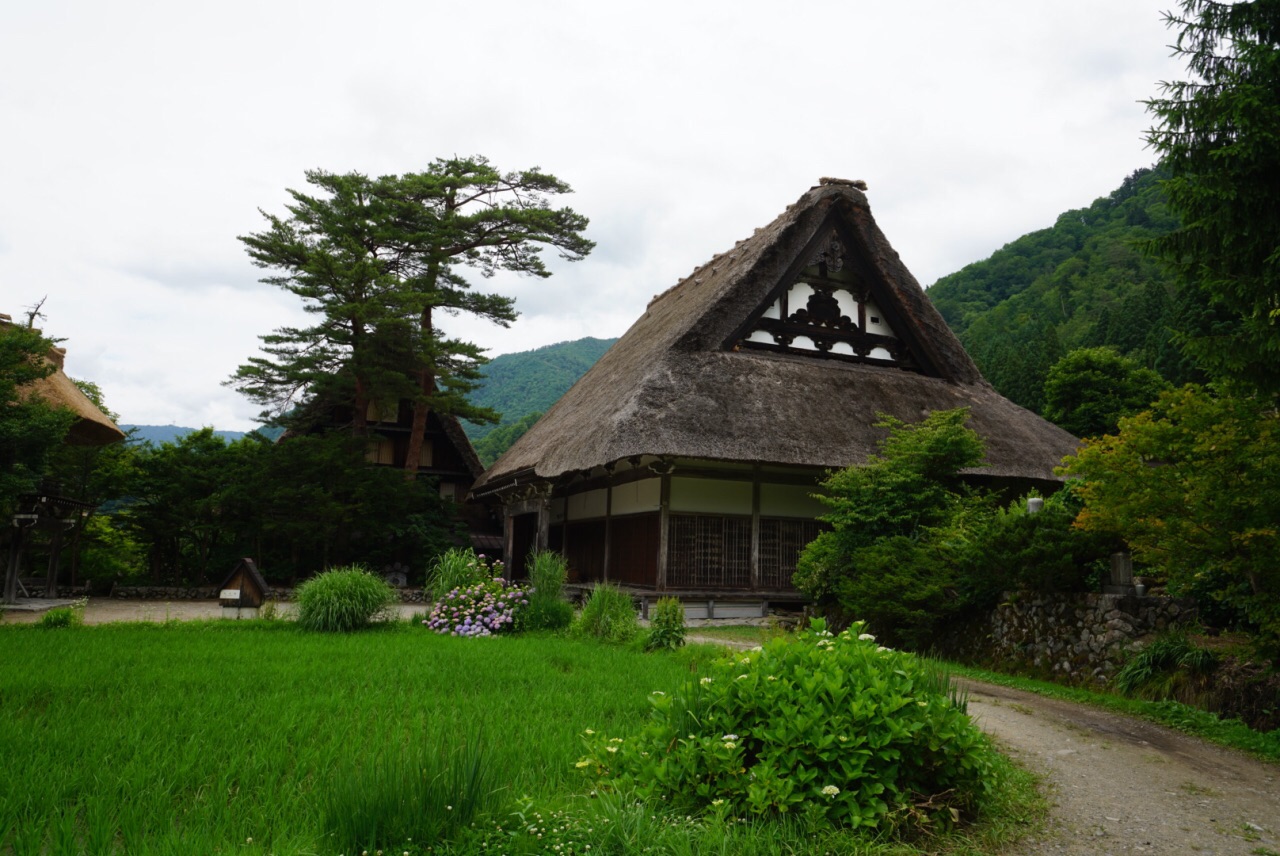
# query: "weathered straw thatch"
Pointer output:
{"type": "Point", "coordinates": [674, 385]}
{"type": "Point", "coordinates": [92, 427]}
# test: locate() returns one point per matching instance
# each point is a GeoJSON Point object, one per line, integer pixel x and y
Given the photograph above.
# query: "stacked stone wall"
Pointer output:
{"type": "Point", "coordinates": [1080, 637]}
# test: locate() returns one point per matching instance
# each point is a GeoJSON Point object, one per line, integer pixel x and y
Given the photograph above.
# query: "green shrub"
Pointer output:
{"type": "Point", "coordinates": [835, 727]}
{"type": "Point", "coordinates": [343, 599]}
{"type": "Point", "coordinates": [666, 625]}
{"type": "Point", "coordinates": [608, 614]}
{"type": "Point", "coordinates": [459, 569]}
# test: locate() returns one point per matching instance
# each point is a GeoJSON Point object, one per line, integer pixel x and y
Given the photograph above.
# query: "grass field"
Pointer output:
{"type": "Point", "coordinates": [190, 736]}
{"type": "Point", "coordinates": [255, 737]}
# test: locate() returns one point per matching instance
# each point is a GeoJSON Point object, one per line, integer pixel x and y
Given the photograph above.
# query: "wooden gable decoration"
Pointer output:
{"type": "Point", "coordinates": [832, 304]}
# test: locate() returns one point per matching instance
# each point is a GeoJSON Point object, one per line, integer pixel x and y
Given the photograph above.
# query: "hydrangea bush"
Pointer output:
{"type": "Point", "coordinates": [833, 726]}
{"type": "Point", "coordinates": [483, 609]}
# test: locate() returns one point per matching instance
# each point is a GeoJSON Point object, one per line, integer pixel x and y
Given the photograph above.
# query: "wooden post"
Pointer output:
{"type": "Point", "coordinates": [664, 522]}
{"type": "Point", "coordinates": [755, 528]}
{"type": "Point", "coordinates": [508, 536]}
{"type": "Point", "coordinates": [55, 552]}
{"type": "Point", "coordinates": [11, 573]}
{"type": "Point", "coordinates": [608, 524]}
{"type": "Point", "coordinates": [544, 522]}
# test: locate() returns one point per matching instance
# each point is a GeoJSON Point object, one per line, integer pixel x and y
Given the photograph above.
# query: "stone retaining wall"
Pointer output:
{"type": "Point", "coordinates": [1082, 637]}
{"type": "Point", "coordinates": [407, 595]}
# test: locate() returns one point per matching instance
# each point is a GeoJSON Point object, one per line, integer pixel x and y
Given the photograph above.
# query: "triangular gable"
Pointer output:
{"type": "Point", "coordinates": [831, 303]}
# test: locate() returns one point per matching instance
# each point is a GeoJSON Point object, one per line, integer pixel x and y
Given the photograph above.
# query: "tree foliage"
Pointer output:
{"type": "Point", "coordinates": [491, 447]}
{"type": "Point", "coordinates": [912, 545]}
{"type": "Point", "coordinates": [872, 561]}
{"type": "Point", "coordinates": [1218, 134]}
{"type": "Point", "coordinates": [1087, 391]}
{"type": "Point", "coordinates": [1193, 485]}
{"type": "Point", "coordinates": [377, 259]}
{"type": "Point", "coordinates": [30, 428]}
{"type": "Point", "coordinates": [197, 505]}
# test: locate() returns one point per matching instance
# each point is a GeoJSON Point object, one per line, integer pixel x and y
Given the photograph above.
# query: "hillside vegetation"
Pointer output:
{"type": "Point", "coordinates": [516, 385]}
{"type": "Point", "coordinates": [1083, 282]}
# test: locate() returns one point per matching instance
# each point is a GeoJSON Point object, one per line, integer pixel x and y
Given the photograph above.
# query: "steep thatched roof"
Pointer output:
{"type": "Point", "coordinates": [676, 384]}
{"type": "Point", "coordinates": [92, 427]}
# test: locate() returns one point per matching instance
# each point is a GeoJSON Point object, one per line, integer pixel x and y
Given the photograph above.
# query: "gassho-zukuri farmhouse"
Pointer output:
{"type": "Point", "coordinates": [685, 460]}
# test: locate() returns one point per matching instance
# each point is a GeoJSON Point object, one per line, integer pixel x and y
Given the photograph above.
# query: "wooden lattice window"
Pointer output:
{"type": "Point", "coordinates": [781, 541]}
{"type": "Point", "coordinates": [707, 551]}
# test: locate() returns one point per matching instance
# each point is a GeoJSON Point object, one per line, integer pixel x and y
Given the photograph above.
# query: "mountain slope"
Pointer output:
{"type": "Point", "coordinates": [516, 385]}
{"type": "Point", "coordinates": [1082, 282]}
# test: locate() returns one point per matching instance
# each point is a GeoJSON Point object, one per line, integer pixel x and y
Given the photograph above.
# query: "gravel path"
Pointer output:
{"type": "Point", "coordinates": [1119, 785]}
{"type": "Point", "coordinates": [1122, 785]}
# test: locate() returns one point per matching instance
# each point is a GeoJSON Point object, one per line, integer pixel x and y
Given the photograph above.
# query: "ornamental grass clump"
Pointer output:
{"type": "Point", "coordinates": [457, 568]}
{"type": "Point", "coordinates": [833, 728]}
{"type": "Point", "coordinates": [547, 608]}
{"type": "Point", "coordinates": [608, 614]}
{"type": "Point", "coordinates": [344, 599]}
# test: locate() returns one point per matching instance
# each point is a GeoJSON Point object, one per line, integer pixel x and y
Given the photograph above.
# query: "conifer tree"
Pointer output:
{"type": "Point", "coordinates": [376, 260]}
{"type": "Point", "coordinates": [1219, 135]}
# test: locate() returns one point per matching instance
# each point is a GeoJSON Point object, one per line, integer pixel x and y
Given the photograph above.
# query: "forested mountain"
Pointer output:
{"type": "Point", "coordinates": [1081, 283]}
{"type": "Point", "coordinates": [157, 434]}
{"type": "Point", "coordinates": [516, 385]}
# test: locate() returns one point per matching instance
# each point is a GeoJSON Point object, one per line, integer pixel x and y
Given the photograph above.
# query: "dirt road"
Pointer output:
{"type": "Point", "coordinates": [1122, 785]}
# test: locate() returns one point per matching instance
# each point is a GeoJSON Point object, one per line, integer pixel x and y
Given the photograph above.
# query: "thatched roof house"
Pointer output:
{"type": "Point", "coordinates": [706, 426]}
{"type": "Point", "coordinates": [92, 427]}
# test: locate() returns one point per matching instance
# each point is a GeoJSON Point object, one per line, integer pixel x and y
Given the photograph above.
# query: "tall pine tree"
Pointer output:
{"type": "Point", "coordinates": [377, 260]}
{"type": "Point", "coordinates": [1219, 135]}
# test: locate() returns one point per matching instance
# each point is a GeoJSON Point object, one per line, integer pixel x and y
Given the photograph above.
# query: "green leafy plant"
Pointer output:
{"type": "Point", "coordinates": [666, 625]}
{"type": "Point", "coordinates": [830, 728]}
{"type": "Point", "coordinates": [608, 614]}
{"type": "Point", "coordinates": [343, 599]}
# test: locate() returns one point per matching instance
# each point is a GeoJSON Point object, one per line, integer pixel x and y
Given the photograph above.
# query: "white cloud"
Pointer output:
{"type": "Point", "coordinates": [145, 136]}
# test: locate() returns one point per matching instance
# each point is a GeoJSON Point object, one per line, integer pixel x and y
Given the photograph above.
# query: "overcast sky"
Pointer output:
{"type": "Point", "coordinates": [138, 139]}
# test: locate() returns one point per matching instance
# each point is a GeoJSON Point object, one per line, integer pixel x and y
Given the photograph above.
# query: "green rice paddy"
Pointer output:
{"type": "Point", "coordinates": [196, 738]}
{"type": "Point", "coordinates": [259, 738]}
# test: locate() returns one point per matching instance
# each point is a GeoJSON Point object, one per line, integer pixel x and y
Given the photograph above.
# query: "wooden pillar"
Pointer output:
{"type": "Point", "coordinates": [664, 522]}
{"type": "Point", "coordinates": [11, 571]}
{"type": "Point", "coordinates": [608, 524]}
{"type": "Point", "coordinates": [544, 523]}
{"type": "Point", "coordinates": [55, 554]}
{"type": "Point", "coordinates": [508, 536]}
{"type": "Point", "coordinates": [755, 528]}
